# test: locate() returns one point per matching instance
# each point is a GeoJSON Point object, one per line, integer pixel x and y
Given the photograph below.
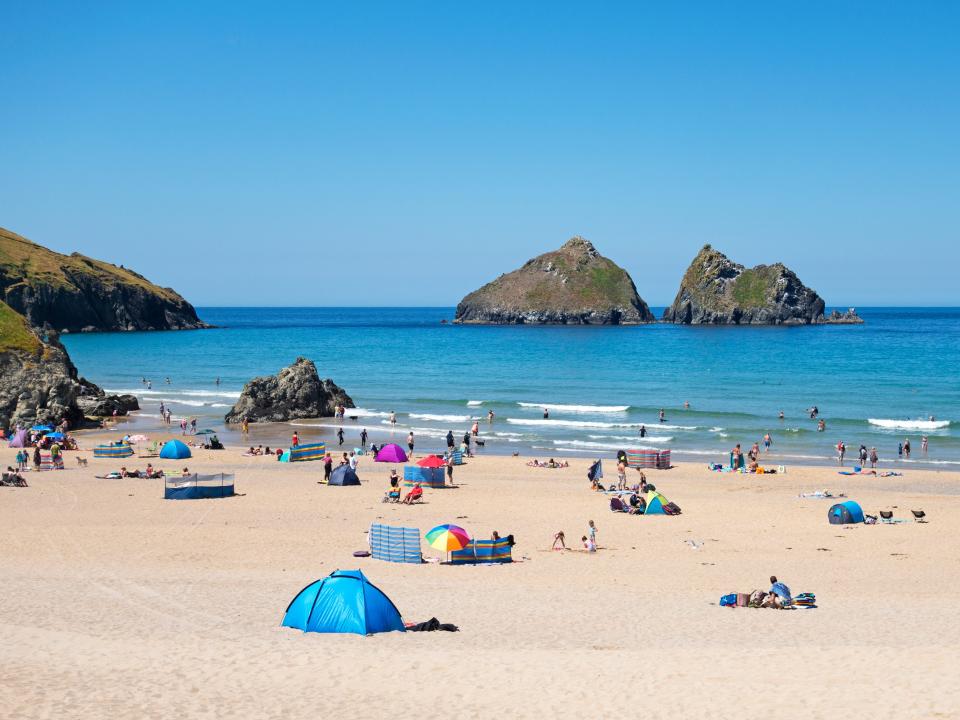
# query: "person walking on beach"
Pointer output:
{"type": "Point", "coordinates": [841, 451]}
{"type": "Point", "coordinates": [183, 426]}
{"type": "Point", "coordinates": [295, 440]}
{"type": "Point", "coordinates": [450, 441]}
{"type": "Point", "coordinates": [592, 533]}
{"type": "Point", "coordinates": [193, 426]}
{"type": "Point", "coordinates": [873, 457]}
{"type": "Point", "coordinates": [327, 467]}
{"type": "Point", "coordinates": [363, 439]}
{"type": "Point", "coordinates": [450, 470]}
{"type": "Point", "coordinates": [340, 435]}
{"type": "Point", "coordinates": [410, 442]}
{"type": "Point", "coordinates": [766, 442]}
{"type": "Point", "coordinates": [162, 409]}
{"type": "Point", "coordinates": [245, 426]}
{"type": "Point", "coordinates": [621, 475]}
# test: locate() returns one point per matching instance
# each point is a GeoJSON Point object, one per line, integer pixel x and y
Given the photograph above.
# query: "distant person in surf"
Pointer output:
{"type": "Point", "coordinates": [780, 415]}
{"type": "Point", "coordinates": [643, 431]}
{"type": "Point", "coordinates": [906, 448]}
{"type": "Point", "coordinates": [490, 416]}
{"type": "Point", "coordinates": [814, 411]}
{"type": "Point", "coordinates": [873, 457]}
{"type": "Point", "coordinates": [546, 414]}
{"type": "Point", "coordinates": [766, 442]}
{"type": "Point", "coordinates": [821, 426]}
{"type": "Point", "coordinates": [863, 455]}
{"type": "Point", "coordinates": [393, 418]}
{"type": "Point", "coordinates": [923, 445]}
{"type": "Point", "coordinates": [410, 442]}
{"type": "Point", "coordinates": [340, 435]}
{"type": "Point", "coordinates": [363, 439]}
{"type": "Point", "coordinates": [475, 430]}
{"type": "Point", "coordinates": [686, 404]}
{"type": "Point", "coordinates": [217, 381]}
{"type": "Point", "coordinates": [295, 440]}
{"type": "Point", "coordinates": [899, 449]}
{"type": "Point", "coordinates": [662, 415]}
{"type": "Point", "coordinates": [841, 451]}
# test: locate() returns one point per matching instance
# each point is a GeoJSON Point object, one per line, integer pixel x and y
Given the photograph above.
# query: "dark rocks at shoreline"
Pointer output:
{"type": "Point", "coordinates": [296, 392]}
{"type": "Point", "coordinates": [573, 285]}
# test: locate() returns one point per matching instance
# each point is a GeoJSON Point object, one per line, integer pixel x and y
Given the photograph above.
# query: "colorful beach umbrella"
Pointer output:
{"type": "Point", "coordinates": [448, 537]}
{"type": "Point", "coordinates": [432, 461]}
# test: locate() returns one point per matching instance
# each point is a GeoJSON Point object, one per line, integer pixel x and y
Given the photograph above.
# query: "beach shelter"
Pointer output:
{"type": "Point", "coordinates": [113, 451]}
{"type": "Point", "coordinates": [391, 452]}
{"type": "Point", "coordinates": [55, 436]}
{"type": "Point", "coordinates": [426, 476]}
{"type": "Point", "coordinates": [432, 461]}
{"type": "Point", "coordinates": [655, 503]}
{"type": "Point", "coordinates": [41, 428]}
{"type": "Point", "coordinates": [595, 472]}
{"type": "Point", "coordinates": [344, 475]}
{"type": "Point", "coordinates": [311, 451]}
{"type": "Point", "coordinates": [174, 450]}
{"type": "Point", "coordinates": [19, 439]}
{"type": "Point", "coordinates": [343, 602]}
{"type": "Point", "coordinates": [845, 513]}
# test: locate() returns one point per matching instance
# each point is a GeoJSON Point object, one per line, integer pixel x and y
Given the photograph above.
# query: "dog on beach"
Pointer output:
{"type": "Point", "coordinates": [82, 462]}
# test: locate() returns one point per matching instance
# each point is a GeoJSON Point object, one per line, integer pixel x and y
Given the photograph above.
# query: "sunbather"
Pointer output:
{"type": "Point", "coordinates": [415, 494]}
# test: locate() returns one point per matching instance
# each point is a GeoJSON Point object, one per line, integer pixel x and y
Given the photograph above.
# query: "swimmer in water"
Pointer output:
{"type": "Point", "coordinates": [780, 415]}
{"type": "Point", "coordinates": [662, 418]}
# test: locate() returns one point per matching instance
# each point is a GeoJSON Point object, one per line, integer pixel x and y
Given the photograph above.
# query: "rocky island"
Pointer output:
{"type": "Point", "coordinates": [574, 285]}
{"type": "Point", "coordinates": [717, 291]}
{"type": "Point", "coordinates": [75, 293]}
{"type": "Point", "coordinates": [296, 392]}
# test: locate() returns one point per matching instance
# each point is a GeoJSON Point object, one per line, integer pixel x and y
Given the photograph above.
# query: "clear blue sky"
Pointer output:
{"type": "Point", "coordinates": [404, 153]}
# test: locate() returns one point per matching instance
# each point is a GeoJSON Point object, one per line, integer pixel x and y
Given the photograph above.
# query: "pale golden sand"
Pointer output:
{"type": "Point", "coordinates": [118, 604]}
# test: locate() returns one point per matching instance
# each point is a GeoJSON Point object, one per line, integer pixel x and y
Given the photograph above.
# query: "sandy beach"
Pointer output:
{"type": "Point", "coordinates": [120, 604]}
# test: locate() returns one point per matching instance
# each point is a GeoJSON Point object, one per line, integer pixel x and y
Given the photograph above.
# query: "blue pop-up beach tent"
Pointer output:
{"type": "Point", "coordinates": [343, 602]}
{"type": "Point", "coordinates": [845, 513]}
{"type": "Point", "coordinates": [174, 450]}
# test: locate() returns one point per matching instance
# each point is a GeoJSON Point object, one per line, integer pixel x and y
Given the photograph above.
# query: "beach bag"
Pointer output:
{"type": "Point", "coordinates": [743, 599]}
{"type": "Point", "coordinates": [781, 469]}
{"type": "Point", "coordinates": [728, 600]}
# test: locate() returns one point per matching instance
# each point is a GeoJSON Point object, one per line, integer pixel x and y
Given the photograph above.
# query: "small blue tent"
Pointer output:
{"type": "Point", "coordinates": [343, 602]}
{"type": "Point", "coordinates": [845, 513]}
{"type": "Point", "coordinates": [174, 450]}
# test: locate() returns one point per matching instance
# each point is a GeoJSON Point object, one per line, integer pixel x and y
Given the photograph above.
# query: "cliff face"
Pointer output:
{"type": "Point", "coordinates": [74, 293]}
{"type": "Point", "coordinates": [295, 392]}
{"type": "Point", "coordinates": [574, 285]}
{"type": "Point", "coordinates": [718, 291]}
{"type": "Point", "coordinates": [38, 383]}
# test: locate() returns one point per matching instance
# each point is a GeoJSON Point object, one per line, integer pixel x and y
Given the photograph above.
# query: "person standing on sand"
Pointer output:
{"type": "Point", "coordinates": [363, 439]}
{"type": "Point", "coordinates": [621, 475]}
{"type": "Point", "coordinates": [327, 467]}
{"type": "Point", "coordinates": [340, 435]}
{"type": "Point", "coordinates": [450, 470]}
{"type": "Point", "coordinates": [841, 451]}
{"type": "Point", "coordinates": [450, 441]}
{"type": "Point", "coordinates": [36, 458]}
{"type": "Point", "coordinates": [592, 533]}
{"type": "Point", "coordinates": [410, 442]}
{"type": "Point", "coordinates": [295, 440]}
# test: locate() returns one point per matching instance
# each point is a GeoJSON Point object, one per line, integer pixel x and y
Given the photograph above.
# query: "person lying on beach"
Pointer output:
{"type": "Point", "coordinates": [559, 542]}
{"type": "Point", "coordinates": [415, 494]}
{"type": "Point", "coordinates": [124, 473]}
{"type": "Point", "coordinates": [534, 463]}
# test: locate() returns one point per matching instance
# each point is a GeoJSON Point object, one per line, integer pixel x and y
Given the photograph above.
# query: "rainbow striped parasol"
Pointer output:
{"type": "Point", "coordinates": [447, 538]}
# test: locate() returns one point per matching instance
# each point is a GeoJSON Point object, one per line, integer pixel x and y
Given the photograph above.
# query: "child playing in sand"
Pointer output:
{"type": "Point", "coordinates": [558, 540]}
{"type": "Point", "coordinates": [588, 544]}
{"type": "Point", "coordinates": [592, 533]}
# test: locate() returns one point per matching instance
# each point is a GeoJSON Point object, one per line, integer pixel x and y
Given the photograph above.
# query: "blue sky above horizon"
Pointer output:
{"type": "Point", "coordinates": [405, 153]}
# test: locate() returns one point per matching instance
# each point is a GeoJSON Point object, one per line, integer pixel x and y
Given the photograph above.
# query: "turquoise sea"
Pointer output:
{"type": "Point", "coordinates": [876, 384]}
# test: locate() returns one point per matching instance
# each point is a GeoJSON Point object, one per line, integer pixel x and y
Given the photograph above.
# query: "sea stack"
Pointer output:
{"type": "Point", "coordinates": [574, 285]}
{"type": "Point", "coordinates": [75, 293]}
{"type": "Point", "coordinates": [717, 291]}
{"type": "Point", "coordinates": [296, 392]}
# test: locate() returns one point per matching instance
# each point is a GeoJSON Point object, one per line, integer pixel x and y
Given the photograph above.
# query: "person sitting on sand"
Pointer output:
{"type": "Point", "coordinates": [559, 542]}
{"type": "Point", "coordinates": [779, 596]}
{"type": "Point", "coordinates": [394, 492]}
{"type": "Point", "coordinates": [588, 544]}
{"type": "Point", "coordinates": [185, 472]}
{"type": "Point", "coordinates": [753, 466]}
{"type": "Point", "coordinates": [149, 471]}
{"type": "Point", "coordinates": [415, 494]}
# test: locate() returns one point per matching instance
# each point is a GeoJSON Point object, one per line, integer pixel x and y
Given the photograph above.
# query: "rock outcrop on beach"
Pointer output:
{"type": "Point", "coordinates": [295, 392]}
{"type": "Point", "coordinates": [574, 285]}
{"type": "Point", "coordinates": [717, 291]}
{"type": "Point", "coordinates": [75, 293]}
{"type": "Point", "coordinates": [39, 383]}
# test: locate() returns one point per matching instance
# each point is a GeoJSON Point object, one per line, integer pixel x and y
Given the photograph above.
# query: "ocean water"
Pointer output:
{"type": "Point", "coordinates": [876, 384]}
